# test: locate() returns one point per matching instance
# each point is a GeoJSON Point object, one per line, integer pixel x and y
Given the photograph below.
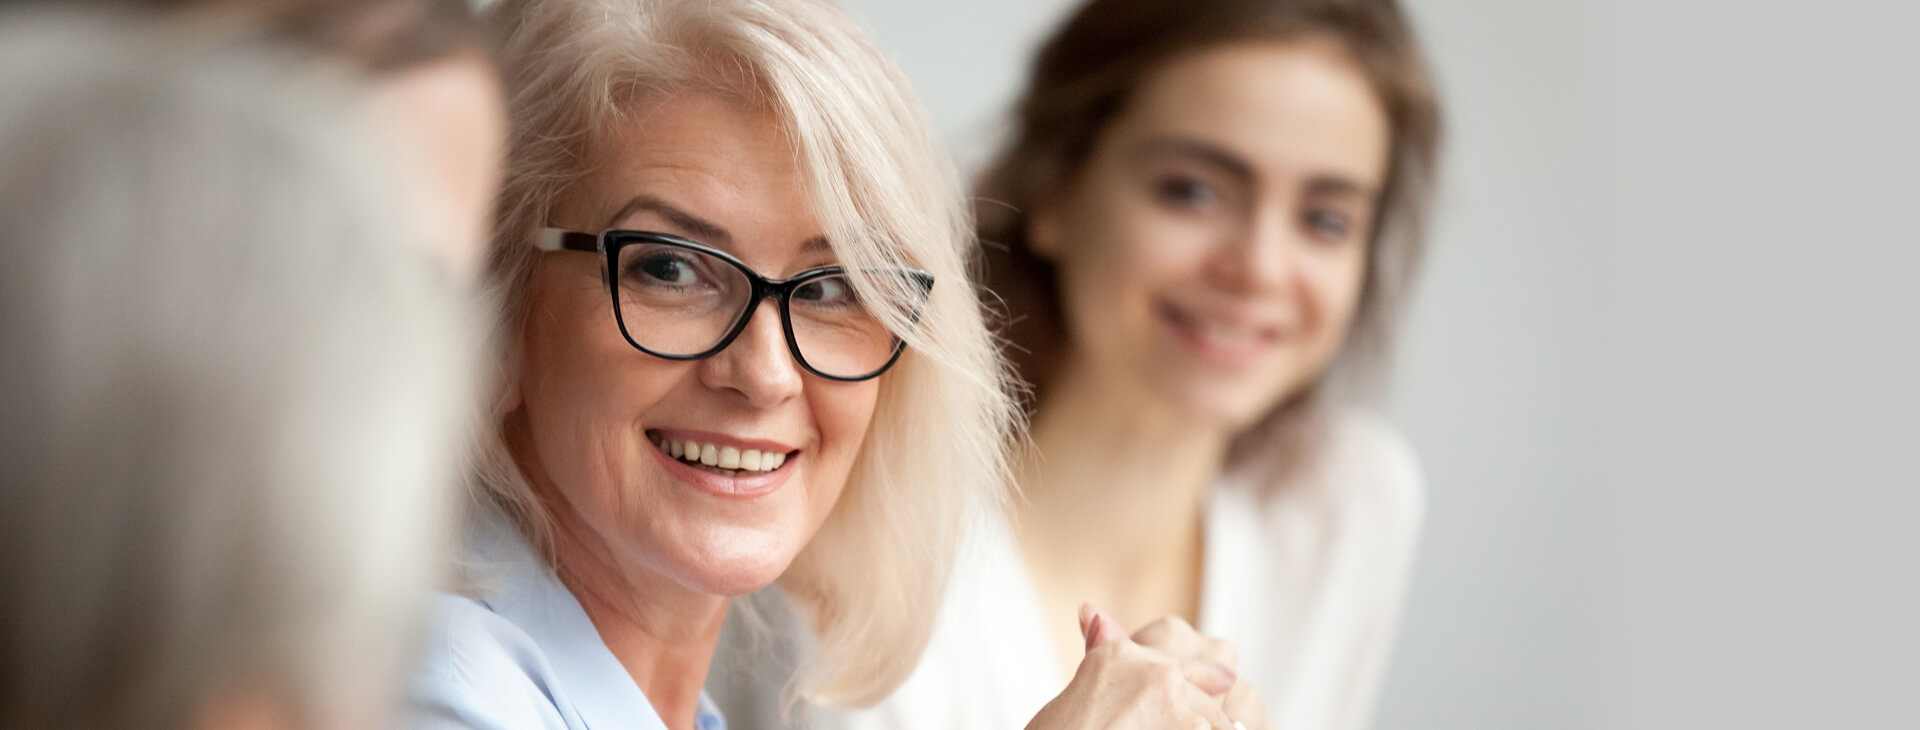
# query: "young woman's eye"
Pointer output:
{"type": "Point", "coordinates": [1185, 192]}
{"type": "Point", "coordinates": [1329, 224]}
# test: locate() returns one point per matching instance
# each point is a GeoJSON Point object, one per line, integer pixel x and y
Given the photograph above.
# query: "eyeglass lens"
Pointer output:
{"type": "Point", "coordinates": [681, 302]}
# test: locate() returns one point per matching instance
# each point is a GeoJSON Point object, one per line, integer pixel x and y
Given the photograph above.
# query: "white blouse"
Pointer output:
{"type": "Point", "coordinates": [1304, 578]}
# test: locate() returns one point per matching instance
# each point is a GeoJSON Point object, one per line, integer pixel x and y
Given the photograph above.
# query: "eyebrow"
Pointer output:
{"type": "Point", "coordinates": [1237, 167]}
{"type": "Point", "coordinates": [697, 227]}
{"type": "Point", "coordinates": [1207, 153]}
{"type": "Point", "coordinates": [1335, 185]}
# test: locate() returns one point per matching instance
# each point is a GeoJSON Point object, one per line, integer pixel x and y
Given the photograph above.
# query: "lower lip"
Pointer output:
{"type": "Point", "coordinates": [742, 487]}
{"type": "Point", "coordinates": [1208, 349]}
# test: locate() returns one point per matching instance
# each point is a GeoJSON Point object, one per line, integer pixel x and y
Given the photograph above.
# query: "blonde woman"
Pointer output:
{"type": "Point", "coordinates": [236, 389]}
{"type": "Point", "coordinates": [744, 350]}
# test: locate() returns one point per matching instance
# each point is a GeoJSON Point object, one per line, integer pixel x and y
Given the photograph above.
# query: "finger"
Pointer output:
{"type": "Point", "coordinates": [1245, 704]}
{"type": "Point", "coordinates": [1099, 628]}
{"type": "Point", "coordinates": [1208, 707]}
{"type": "Point", "coordinates": [1170, 634]}
{"type": "Point", "coordinates": [1218, 651]}
{"type": "Point", "coordinates": [1211, 677]}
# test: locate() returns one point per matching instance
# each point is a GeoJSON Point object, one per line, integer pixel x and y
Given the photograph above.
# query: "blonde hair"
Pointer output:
{"type": "Point", "coordinates": [236, 386]}
{"type": "Point", "coordinates": [883, 189]}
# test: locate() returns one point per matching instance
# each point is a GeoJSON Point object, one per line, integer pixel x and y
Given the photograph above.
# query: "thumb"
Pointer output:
{"type": "Point", "coordinates": [1097, 627]}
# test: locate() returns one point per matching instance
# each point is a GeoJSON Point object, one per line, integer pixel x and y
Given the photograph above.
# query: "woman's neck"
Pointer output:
{"type": "Point", "coordinates": [1114, 487]}
{"type": "Point", "coordinates": [662, 633]}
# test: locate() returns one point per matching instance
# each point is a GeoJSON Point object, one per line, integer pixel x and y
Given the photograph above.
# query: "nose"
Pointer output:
{"type": "Point", "coordinates": [1257, 256]}
{"type": "Point", "coordinates": [757, 364]}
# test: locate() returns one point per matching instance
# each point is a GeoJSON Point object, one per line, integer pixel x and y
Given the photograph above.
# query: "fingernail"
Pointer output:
{"type": "Point", "coordinates": [1089, 625]}
{"type": "Point", "coordinates": [1231, 675]}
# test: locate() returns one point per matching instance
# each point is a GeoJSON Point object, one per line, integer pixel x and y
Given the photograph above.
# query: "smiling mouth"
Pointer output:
{"type": "Point", "coordinates": [726, 461]}
{"type": "Point", "coordinates": [1219, 339]}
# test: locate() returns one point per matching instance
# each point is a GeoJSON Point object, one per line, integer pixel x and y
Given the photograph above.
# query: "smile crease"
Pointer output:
{"type": "Point", "coordinates": [717, 457]}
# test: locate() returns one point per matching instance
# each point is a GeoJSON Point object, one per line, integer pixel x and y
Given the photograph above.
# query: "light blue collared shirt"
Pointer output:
{"type": "Point", "coordinates": [526, 657]}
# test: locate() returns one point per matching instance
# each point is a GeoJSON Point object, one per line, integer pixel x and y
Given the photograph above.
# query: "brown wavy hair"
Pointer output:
{"type": "Point", "coordinates": [1083, 79]}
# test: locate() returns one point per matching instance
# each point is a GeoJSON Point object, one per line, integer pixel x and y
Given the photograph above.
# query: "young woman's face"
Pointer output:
{"type": "Point", "coordinates": [1212, 249]}
{"type": "Point", "coordinates": [597, 410]}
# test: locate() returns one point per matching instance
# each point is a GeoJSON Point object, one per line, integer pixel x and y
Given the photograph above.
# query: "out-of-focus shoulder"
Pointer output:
{"type": "Point", "coordinates": [1368, 464]}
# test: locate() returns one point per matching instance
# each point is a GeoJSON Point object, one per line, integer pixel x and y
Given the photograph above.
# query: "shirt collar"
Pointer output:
{"type": "Point", "coordinates": [601, 691]}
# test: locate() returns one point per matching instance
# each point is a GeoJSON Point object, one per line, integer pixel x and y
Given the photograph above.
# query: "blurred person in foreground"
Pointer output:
{"type": "Point", "coordinates": [744, 348]}
{"type": "Point", "coordinates": [234, 388]}
{"type": "Point", "coordinates": [426, 75]}
{"type": "Point", "coordinates": [1201, 228]}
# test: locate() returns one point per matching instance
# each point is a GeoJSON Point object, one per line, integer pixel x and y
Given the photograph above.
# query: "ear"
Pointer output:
{"type": "Point", "coordinates": [1046, 232]}
{"type": "Point", "coordinates": [510, 398]}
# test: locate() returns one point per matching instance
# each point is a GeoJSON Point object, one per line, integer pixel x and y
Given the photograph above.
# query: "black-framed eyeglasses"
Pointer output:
{"type": "Point", "coordinates": [678, 299]}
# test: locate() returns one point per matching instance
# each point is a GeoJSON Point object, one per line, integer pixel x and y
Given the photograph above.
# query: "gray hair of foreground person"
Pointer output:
{"type": "Point", "coordinates": [234, 396]}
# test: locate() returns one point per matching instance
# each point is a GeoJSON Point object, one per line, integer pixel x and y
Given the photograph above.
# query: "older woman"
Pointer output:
{"type": "Point", "coordinates": [745, 349]}
{"type": "Point", "coordinates": [235, 388]}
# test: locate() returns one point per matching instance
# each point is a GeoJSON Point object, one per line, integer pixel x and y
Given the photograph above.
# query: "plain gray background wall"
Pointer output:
{"type": "Point", "coordinates": [1660, 367]}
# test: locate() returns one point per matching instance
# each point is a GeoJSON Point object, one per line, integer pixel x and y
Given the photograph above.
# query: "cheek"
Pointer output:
{"type": "Point", "coordinates": [843, 413]}
{"type": "Point", "coordinates": [1122, 253]}
{"type": "Point", "coordinates": [584, 387]}
{"type": "Point", "coordinates": [1335, 284]}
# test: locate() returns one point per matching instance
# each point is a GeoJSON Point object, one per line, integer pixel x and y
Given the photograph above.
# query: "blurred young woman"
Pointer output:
{"type": "Point", "coordinates": [236, 388]}
{"type": "Point", "coordinates": [1204, 223]}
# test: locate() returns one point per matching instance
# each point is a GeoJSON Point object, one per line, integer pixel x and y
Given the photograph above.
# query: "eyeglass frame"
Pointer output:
{"type": "Point", "coordinates": [608, 243]}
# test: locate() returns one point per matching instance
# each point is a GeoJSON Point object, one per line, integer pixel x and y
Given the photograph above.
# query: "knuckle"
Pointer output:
{"type": "Point", "coordinates": [1168, 677]}
{"type": "Point", "coordinates": [1223, 650]}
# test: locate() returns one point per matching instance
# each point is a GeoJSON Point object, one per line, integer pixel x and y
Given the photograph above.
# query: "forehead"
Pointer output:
{"type": "Point", "coordinates": [720, 158]}
{"type": "Point", "coordinates": [1292, 108]}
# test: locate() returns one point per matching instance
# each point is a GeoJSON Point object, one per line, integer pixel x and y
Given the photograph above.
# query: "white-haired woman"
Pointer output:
{"type": "Point", "coordinates": [235, 386]}
{"type": "Point", "coordinates": [744, 348]}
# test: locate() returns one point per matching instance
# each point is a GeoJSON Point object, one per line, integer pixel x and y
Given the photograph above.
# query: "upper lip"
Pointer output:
{"type": "Point", "coordinates": [721, 439]}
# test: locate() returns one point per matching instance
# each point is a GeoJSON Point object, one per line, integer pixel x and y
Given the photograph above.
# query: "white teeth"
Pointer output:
{"type": "Point", "coordinates": [723, 457]}
{"type": "Point", "coordinates": [1228, 334]}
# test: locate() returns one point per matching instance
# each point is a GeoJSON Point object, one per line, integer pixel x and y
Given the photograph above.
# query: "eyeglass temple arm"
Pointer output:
{"type": "Point", "coordinates": [559, 239]}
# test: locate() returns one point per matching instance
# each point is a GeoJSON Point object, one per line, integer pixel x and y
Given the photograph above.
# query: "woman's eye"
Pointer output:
{"type": "Point", "coordinates": [1329, 224]}
{"type": "Point", "coordinates": [831, 290]}
{"type": "Point", "coordinates": [668, 269]}
{"type": "Point", "coordinates": [1185, 192]}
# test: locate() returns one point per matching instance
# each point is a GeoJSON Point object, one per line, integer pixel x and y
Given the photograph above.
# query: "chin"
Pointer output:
{"type": "Point", "coordinates": [729, 560]}
{"type": "Point", "coordinates": [1207, 398]}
